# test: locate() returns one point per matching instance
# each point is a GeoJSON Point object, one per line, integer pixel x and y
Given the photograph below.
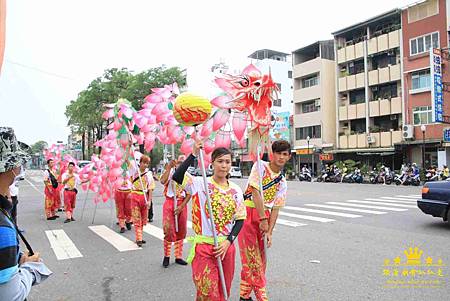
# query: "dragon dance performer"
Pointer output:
{"type": "Point", "coordinates": [262, 215]}
{"type": "Point", "coordinates": [123, 204]}
{"type": "Point", "coordinates": [50, 190]}
{"type": "Point", "coordinates": [142, 183]}
{"type": "Point", "coordinates": [182, 196]}
{"type": "Point", "coordinates": [70, 180]}
{"type": "Point", "coordinates": [228, 214]}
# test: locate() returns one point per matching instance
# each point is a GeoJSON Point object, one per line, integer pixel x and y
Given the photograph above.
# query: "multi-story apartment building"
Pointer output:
{"type": "Point", "coordinates": [314, 102]}
{"type": "Point", "coordinates": [279, 65]}
{"type": "Point", "coordinates": [368, 90]}
{"type": "Point", "coordinates": [424, 26]}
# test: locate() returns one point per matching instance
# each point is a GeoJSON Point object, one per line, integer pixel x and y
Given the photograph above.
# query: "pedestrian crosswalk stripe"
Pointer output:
{"type": "Point", "coordinates": [389, 201]}
{"type": "Point", "coordinates": [289, 223]}
{"type": "Point", "coordinates": [322, 212]}
{"type": "Point", "coordinates": [154, 231]}
{"type": "Point", "coordinates": [118, 241]}
{"type": "Point", "coordinates": [367, 206]}
{"type": "Point", "coordinates": [307, 217]}
{"type": "Point", "coordinates": [381, 203]}
{"type": "Point", "coordinates": [399, 199]}
{"type": "Point", "coordinates": [346, 209]}
{"type": "Point", "coordinates": [280, 221]}
{"type": "Point", "coordinates": [409, 197]}
{"type": "Point", "coordinates": [62, 245]}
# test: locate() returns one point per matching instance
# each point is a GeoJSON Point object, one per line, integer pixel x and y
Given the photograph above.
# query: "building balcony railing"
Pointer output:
{"type": "Point", "coordinates": [384, 42]}
{"type": "Point", "coordinates": [384, 107]}
{"type": "Point", "coordinates": [351, 82]}
{"type": "Point", "coordinates": [306, 68]}
{"type": "Point", "coordinates": [351, 52]}
{"type": "Point", "coordinates": [307, 93]}
{"type": "Point", "coordinates": [384, 75]}
{"type": "Point", "coordinates": [380, 139]}
{"type": "Point", "coordinates": [353, 111]}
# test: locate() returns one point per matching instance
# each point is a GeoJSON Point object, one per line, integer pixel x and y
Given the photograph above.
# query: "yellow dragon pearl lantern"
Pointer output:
{"type": "Point", "coordinates": [190, 109]}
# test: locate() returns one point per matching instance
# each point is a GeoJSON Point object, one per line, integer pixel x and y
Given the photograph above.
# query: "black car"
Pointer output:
{"type": "Point", "coordinates": [436, 199]}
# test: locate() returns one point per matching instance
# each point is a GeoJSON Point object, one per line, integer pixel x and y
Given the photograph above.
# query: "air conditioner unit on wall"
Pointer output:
{"type": "Point", "coordinates": [408, 131]}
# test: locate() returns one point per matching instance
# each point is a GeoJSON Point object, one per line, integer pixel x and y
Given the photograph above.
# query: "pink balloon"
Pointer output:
{"type": "Point", "coordinates": [149, 144]}
{"type": "Point", "coordinates": [239, 125]}
{"type": "Point", "coordinates": [116, 172]}
{"type": "Point", "coordinates": [209, 146]}
{"type": "Point", "coordinates": [223, 102]}
{"type": "Point", "coordinates": [160, 109]}
{"type": "Point", "coordinates": [243, 143]}
{"type": "Point", "coordinates": [223, 139]}
{"type": "Point", "coordinates": [220, 119]}
{"type": "Point", "coordinates": [153, 98]}
{"type": "Point", "coordinates": [108, 114]}
{"type": "Point", "coordinates": [186, 146]}
{"type": "Point", "coordinates": [207, 128]}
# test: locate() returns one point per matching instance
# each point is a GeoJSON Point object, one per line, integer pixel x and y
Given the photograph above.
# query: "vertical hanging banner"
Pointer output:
{"type": "Point", "coordinates": [437, 102]}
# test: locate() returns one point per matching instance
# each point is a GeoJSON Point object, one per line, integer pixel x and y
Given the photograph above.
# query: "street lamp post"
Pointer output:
{"type": "Point", "coordinates": [307, 140]}
{"type": "Point", "coordinates": [423, 129]}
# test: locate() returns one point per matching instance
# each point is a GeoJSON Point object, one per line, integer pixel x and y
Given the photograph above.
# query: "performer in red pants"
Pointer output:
{"type": "Point", "coordinates": [123, 204]}
{"type": "Point", "coordinates": [142, 183]}
{"type": "Point", "coordinates": [169, 213]}
{"type": "Point", "coordinates": [262, 215]}
{"type": "Point", "coordinates": [70, 181]}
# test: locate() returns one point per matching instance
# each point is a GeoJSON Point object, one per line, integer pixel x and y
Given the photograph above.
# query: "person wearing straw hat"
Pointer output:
{"type": "Point", "coordinates": [18, 271]}
{"type": "Point", "coordinates": [262, 214]}
{"type": "Point", "coordinates": [213, 267]}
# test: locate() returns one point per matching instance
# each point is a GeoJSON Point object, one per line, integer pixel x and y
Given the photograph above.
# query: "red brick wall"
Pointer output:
{"type": "Point", "coordinates": [411, 30]}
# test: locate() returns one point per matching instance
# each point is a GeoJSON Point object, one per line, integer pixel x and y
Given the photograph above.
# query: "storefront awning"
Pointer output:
{"type": "Point", "coordinates": [369, 151]}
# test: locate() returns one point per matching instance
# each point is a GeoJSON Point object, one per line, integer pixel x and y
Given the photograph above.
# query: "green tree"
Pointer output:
{"type": "Point", "coordinates": [38, 147]}
{"type": "Point", "coordinates": [84, 113]}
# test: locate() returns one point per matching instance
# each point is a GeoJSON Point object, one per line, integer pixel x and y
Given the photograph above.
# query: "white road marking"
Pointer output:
{"type": "Point", "coordinates": [389, 201]}
{"type": "Point", "coordinates": [154, 231]}
{"type": "Point", "coordinates": [307, 217]}
{"type": "Point", "coordinates": [367, 206]}
{"type": "Point", "coordinates": [381, 203]}
{"type": "Point", "coordinates": [398, 199]}
{"type": "Point", "coordinates": [347, 209]}
{"type": "Point", "coordinates": [62, 245]}
{"type": "Point", "coordinates": [289, 223]}
{"type": "Point", "coordinates": [322, 212]}
{"type": "Point", "coordinates": [118, 241]}
{"type": "Point", "coordinates": [409, 197]}
{"type": "Point", "coordinates": [32, 185]}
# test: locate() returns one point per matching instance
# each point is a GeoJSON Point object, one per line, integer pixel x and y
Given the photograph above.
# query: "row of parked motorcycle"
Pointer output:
{"type": "Point", "coordinates": [408, 175]}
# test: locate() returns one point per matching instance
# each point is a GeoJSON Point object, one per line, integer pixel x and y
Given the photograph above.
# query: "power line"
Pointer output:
{"type": "Point", "coordinates": [41, 70]}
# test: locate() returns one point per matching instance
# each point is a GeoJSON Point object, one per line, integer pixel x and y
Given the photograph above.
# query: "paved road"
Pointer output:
{"type": "Point", "coordinates": [331, 243]}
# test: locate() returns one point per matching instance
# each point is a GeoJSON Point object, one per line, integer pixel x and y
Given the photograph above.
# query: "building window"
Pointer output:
{"type": "Point", "coordinates": [310, 81]}
{"type": "Point", "coordinates": [422, 115]}
{"type": "Point", "coordinates": [289, 74]}
{"type": "Point", "coordinates": [311, 131]}
{"type": "Point", "coordinates": [311, 106]}
{"type": "Point", "coordinates": [277, 102]}
{"type": "Point", "coordinates": [423, 44]}
{"type": "Point", "coordinates": [356, 67]}
{"type": "Point", "coordinates": [358, 126]}
{"type": "Point", "coordinates": [423, 10]}
{"type": "Point", "coordinates": [387, 91]}
{"type": "Point", "coordinates": [421, 80]}
{"type": "Point", "coordinates": [357, 96]}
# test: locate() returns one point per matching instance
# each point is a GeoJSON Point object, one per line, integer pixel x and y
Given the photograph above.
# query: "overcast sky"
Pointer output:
{"type": "Point", "coordinates": [54, 48]}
